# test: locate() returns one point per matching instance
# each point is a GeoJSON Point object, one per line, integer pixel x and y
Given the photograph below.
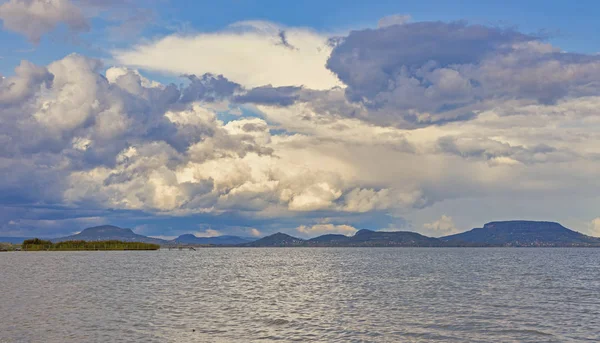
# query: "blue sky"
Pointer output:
{"type": "Point", "coordinates": [571, 25]}
{"type": "Point", "coordinates": [452, 114]}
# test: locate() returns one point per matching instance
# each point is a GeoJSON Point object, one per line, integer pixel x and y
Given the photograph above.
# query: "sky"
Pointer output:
{"type": "Point", "coordinates": [252, 117]}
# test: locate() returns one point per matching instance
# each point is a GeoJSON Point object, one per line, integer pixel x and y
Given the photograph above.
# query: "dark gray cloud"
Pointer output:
{"type": "Point", "coordinates": [418, 74]}
{"type": "Point", "coordinates": [208, 87]}
{"type": "Point", "coordinates": [369, 60]}
{"type": "Point", "coordinates": [499, 152]}
{"type": "Point", "coordinates": [269, 95]}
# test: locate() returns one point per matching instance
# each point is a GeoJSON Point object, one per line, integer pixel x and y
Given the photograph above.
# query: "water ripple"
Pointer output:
{"type": "Point", "coordinates": [302, 295]}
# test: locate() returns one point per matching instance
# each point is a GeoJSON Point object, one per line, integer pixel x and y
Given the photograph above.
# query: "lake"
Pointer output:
{"type": "Point", "coordinates": [302, 294]}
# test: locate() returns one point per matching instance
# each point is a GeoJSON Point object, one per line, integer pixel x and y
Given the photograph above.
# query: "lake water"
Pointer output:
{"type": "Point", "coordinates": [302, 294]}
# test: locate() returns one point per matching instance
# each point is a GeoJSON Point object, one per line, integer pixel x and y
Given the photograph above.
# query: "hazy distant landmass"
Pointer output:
{"type": "Point", "coordinates": [218, 240]}
{"type": "Point", "coordinates": [495, 234]}
{"type": "Point", "coordinates": [363, 238]}
{"type": "Point", "coordinates": [276, 240]}
{"type": "Point", "coordinates": [518, 233]}
{"type": "Point", "coordinates": [109, 233]}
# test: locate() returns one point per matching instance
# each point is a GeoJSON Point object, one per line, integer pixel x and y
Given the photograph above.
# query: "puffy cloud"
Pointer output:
{"type": "Point", "coordinates": [123, 141]}
{"type": "Point", "coordinates": [425, 73]}
{"type": "Point", "coordinates": [208, 233]}
{"type": "Point", "coordinates": [296, 56]}
{"type": "Point", "coordinates": [367, 200]}
{"type": "Point", "coordinates": [217, 151]}
{"type": "Point", "coordinates": [34, 18]}
{"type": "Point", "coordinates": [319, 196]}
{"type": "Point", "coordinates": [322, 229]}
{"type": "Point", "coordinates": [442, 227]}
{"type": "Point", "coordinates": [368, 60]}
{"type": "Point", "coordinates": [595, 227]}
{"type": "Point", "coordinates": [27, 81]}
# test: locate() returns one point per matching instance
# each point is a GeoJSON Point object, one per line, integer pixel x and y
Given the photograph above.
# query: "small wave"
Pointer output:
{"type": "Point", "coordinates": [526, 332]}
{"type": "Point", "coordinates": [279, 321]}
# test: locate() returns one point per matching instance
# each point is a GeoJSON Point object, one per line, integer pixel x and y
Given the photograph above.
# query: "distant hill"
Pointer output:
{"type": "Point", "coordinates": [13, 240]}
{"type": "Point", "coordinates": [329, 238]}
{"type": "Point", "coordinates": [276, 240]}
{"type": "Point", "coordinates": [517, 233]}
{"type": "Point", "coordinates": [368, 238]}
{"type": "Point", "coordinates": [363, 238]}
{"type": "Point", "coordinates": [109, 232]}
{"type": "Point", "coordinates": [190, 239]}
{"type": "Point", "coordinates": [521, 233]}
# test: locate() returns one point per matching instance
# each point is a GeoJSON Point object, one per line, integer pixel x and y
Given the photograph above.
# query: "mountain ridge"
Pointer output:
{"type": "Point", "coordinates": [513, 233]}
{"type": "Point", "coordinates": [362, 238]}
{"type": "Point", "coordinates": [111, 232]}
{"type": "Point", "coordinates": [107, 233]}
{"type": "Point", "coordinates": [524, 233]}
{"type": "Point", "coordinates": [191, 239]}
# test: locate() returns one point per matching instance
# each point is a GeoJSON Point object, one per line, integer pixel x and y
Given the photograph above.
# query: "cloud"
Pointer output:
{"type": "Point", "coordinates": [123, 141]}
{"type": "Point", "coordinates": [497, 152]}
{"type": "Point", "coordinates": [87, 141]}
{"type": "Point", "coordinates": [441, 227]}
{"type": "Point", "coordinates": [395, 19]}
{"type": "Point", "coordinates": [367, 200]}
{"type": "Point", "coordinates": [28, 79]}
{"type": "Point", "coordinates": [34, 18]}
{"type": "Point", "coordinates": [208, 233]}
{"type": "Point", "coordinates": [424, 73]}
{"type": "Point", "coordinates": [239, 53]}
{"type": "Point", "coordinates": [322, 229]}
{"type": "Point", "coordinates": [269, 95]}
{"type": "Point", "coordinates": [595, 227]}
{"type": "Point", "coordinates": [209, 88]}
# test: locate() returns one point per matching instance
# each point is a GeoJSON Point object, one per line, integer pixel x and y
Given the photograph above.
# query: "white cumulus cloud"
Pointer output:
{"type": "Point", "coordinates": [321, 229]}
{"type": "Point", "coordinates": [249, 53]}
{"type": "Point", "coordinates": [595, 227]}
{"type": "Point", "coordinates": [442, 227]}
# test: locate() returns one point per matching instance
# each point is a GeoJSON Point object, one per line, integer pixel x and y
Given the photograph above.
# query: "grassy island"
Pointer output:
{"type": "Point", "coordinates": [37, 244]}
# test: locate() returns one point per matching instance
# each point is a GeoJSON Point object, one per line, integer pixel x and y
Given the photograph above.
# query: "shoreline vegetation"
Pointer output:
{"type": "Point", "coordinates": [4, 247]}
{"type": "Point", "coordinates": [37, 244]}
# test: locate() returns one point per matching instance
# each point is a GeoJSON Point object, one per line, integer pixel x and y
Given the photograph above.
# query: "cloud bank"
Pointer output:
{"type": "Point", "coordinates": [329, 135]}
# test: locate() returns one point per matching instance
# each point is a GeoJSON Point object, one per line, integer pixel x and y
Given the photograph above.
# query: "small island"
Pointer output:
{"type": "Point", "coordinates": [37, 244]}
